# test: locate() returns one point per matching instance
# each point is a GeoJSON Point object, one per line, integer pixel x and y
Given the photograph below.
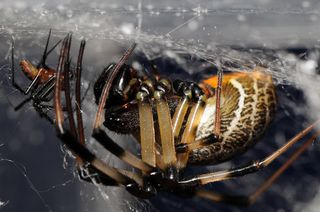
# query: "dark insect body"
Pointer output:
{"type": "Point", "coordinates": [177, 124]}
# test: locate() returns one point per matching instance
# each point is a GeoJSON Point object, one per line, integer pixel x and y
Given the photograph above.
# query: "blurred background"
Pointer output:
{"type": "Point", "coordinates": [185, 39]}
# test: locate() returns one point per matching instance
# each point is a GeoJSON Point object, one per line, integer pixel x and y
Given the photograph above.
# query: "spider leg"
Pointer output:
{"type": "Point", "coordinates": [45, 54]}
{"type": "Point", "coordinates": [106, 88]}
{"type": "Point", "coordinates": [218, 98]}
{"type": "Point", "coordinates": [66, 84]}
{"type": "Point", "coordinates": [169, 158]}
{"type": "Point", "coordinates": [104, 139]}
{"type": "Point", "coordinates": [43, 93]}
{"type": "Point", "coordinates": [101, 136]}
{"type": "Point", "coordinates": [250, 199]}
{"type": "Point", "coordinates": [149, 150]}
{"type": "Point", "coordinates": [40, 94]}
{"type": "Point", "coordinates": [248, 168]}
{"type": "Point", "coordinates": [192, 123]}
{"type": "Point", "coordinates": [133, 182]}
{"type": "Point", "coordinates": [188, 146]}
{"type": "Point", "coordinates": [78, 93]}
{"type": "Point", "coordinates": [182, 108]}
{"type": "Point", "coordinates": [147, 133]}
{"type": "Point", "coordinates": [188, 91]}
{"type": "Point", "coordinates": [89, 173]}
{"type": "Point", "coordinates": [183, 147]}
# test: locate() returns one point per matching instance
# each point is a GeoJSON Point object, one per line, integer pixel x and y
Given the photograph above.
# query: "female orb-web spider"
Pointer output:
{"type": "Point", "coordinates": [177, 124]}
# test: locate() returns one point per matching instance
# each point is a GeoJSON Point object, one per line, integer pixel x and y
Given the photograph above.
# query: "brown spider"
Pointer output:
{"type": "Point", "coordinates": [176, 123]}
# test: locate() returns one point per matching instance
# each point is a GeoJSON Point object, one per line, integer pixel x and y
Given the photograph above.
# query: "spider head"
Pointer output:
{"type": "Point", "coordinates": [122, 87]}
{"type": "Point", "coordinates": [120, 113]}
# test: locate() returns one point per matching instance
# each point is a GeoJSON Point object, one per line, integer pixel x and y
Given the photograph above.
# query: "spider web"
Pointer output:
{"type": "Point", "coordinates": [185, 40]}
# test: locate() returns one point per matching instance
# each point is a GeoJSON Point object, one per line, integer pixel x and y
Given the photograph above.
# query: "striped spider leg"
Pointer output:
{"type": "Point", "coordinates": [73, 137]}
{"type": "Point", "coordinates": [177, 124]}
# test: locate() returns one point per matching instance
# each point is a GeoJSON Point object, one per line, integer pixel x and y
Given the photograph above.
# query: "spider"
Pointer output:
{"type": "Point", "coordinates": [41, 76]}
{"type": "Point", "coordinates": [43, 79]}
{"type": "Point", "coordinates": [178, 124]}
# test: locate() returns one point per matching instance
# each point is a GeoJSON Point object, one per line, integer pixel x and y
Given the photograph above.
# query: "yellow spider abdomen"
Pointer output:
{"type": "Point", "coordinates": [248, 103]}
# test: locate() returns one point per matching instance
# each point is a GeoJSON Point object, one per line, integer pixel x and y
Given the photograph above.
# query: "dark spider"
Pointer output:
{"type": "Point", "coordinates": [42, 79]}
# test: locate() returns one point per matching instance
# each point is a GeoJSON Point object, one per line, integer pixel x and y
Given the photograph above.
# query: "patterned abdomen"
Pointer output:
{"type": "Point", "coordinates": [248, 103]}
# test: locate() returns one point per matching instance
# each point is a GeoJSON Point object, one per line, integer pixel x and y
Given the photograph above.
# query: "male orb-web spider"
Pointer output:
{"type": "Point", "coordinates": [178, 124]}
{"type": "Point", "coordinates": [42, 79]}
